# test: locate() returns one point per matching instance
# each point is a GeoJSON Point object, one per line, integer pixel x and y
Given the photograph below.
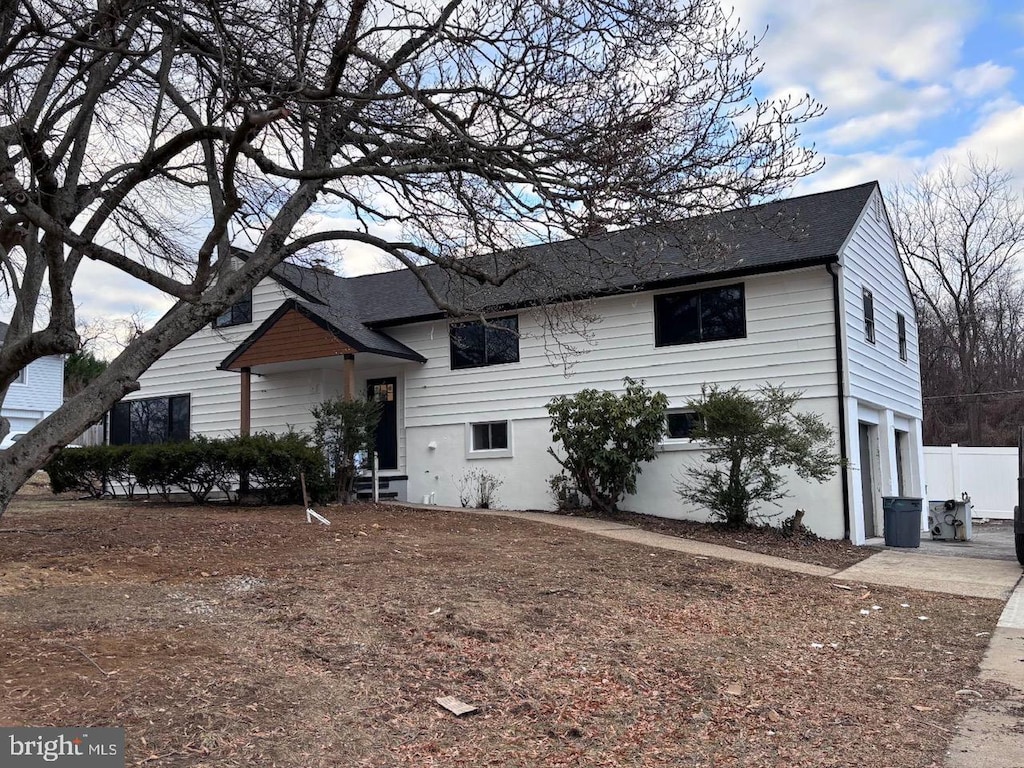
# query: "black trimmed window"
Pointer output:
{"type": "Point", "coordinates": [150, 420]}
{"type": "Point", "coordinates": [238, 313]}
{"type": "Point", "coordinates": [869, 316]}
{"type": "Point", "coordinates": [679, 425]}
{"type": "Point", "coordinates": [489, 436]}
{"type": "Point", "coordinates": [476, 343]}
{"type": "Point", "coordinates": [690, 317]}
{"type": "Point", "coordinates": [901, 332]}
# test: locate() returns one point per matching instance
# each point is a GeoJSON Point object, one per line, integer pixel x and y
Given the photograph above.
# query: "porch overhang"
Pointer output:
{"type": "Point", "coordinates": [301, 331]}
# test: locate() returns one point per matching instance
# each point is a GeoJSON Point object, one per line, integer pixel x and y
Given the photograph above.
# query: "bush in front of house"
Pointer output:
{"type": "Point", "coordinates": [605, 438]}
{"type": "Point", "coordinates": [272, 464]}
{"type": "Point", "coordinates": [345, 430]}
{"type": "Point", "coordinates": [269, 465]}
{"type": "Point", "coordinates": [198, 467]}
{"type": "Point", "coordinates": [90, 470]}
{"type": "Point", "coordinates": [749, 437]}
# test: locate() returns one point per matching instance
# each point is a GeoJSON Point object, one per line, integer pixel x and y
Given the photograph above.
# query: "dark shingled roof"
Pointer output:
{"type": "Point", "coordinates": [783, 235]}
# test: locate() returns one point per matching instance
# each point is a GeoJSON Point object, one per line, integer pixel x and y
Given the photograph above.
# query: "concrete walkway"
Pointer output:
{"type": "Point", "coordinates": [990, 733]}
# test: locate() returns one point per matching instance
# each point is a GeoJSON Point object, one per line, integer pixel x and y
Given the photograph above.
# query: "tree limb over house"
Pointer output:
{"type": "Point", "coordinates": [152, 136]}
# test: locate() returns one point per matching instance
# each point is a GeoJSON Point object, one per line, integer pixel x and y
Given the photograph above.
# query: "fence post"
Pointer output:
{"type": "Point", "coordinates": [376, 478]}
{"type": "Point", "coordinates": [954, 458]}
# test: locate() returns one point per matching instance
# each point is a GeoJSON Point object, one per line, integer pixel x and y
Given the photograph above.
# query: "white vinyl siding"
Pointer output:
{"type": "Point", "coordinates": [790, 340]}
{"type": "Point", "coordinates": [877, 375]}
{"type": "Point", "coordinates": [40, 393]}
{"type": "Point", "coordinates": [192, 367]}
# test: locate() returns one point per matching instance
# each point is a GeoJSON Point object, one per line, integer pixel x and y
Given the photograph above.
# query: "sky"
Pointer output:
{"type": "Point", "coordinates": [907, 84]}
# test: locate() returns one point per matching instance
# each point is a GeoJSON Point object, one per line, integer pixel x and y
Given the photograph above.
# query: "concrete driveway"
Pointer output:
{"type": "Point", "coordinates": [990, 541]}
{"type": "Point", "coordinates": [985, 566]}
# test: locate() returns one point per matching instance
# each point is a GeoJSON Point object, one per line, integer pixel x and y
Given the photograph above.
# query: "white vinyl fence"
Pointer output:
{"type": "Point", "coordinates": [987, 475]}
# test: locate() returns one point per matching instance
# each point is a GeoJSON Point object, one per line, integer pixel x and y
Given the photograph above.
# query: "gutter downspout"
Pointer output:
{"type": "Point", "coordinates": [840, 373]}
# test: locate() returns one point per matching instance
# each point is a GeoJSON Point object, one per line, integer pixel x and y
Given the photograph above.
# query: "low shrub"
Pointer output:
{"type": "Point", "coordinates": [92, 471]}
{"type": "Point", "coordinates": [267, 465]}
{"type": "Point", "coordinates": [271, 465]}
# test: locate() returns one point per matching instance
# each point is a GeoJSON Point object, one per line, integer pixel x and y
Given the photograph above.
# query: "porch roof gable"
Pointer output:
{"type": "Point", "coordinates": [299, 330]}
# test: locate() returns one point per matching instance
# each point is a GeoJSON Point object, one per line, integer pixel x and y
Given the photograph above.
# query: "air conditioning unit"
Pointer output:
{"type": "Point", "coordinates": [950, 520]}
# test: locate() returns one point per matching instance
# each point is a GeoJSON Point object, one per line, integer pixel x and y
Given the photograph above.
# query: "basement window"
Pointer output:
{"type": "Point", "coordinates": [488, 439]}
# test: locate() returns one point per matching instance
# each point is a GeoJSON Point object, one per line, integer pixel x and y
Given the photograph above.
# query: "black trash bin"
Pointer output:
{"type": "Point", "coordinates": [901, 521]}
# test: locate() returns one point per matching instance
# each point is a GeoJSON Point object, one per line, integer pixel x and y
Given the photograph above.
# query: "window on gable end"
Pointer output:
{"type": "Point", "coordinates": [238, 313]}
{"type": "Point", "coordinates": [901, 332]}
{"type": "Point", "coordinates": [869, 317]}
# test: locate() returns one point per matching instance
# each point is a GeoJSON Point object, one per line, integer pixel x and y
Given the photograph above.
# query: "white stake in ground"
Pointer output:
{"type": "Point", "coordinates": [310, 512]}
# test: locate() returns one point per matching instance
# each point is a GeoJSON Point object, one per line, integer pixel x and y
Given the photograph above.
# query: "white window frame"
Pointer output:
{"type": "Point", "coordinates": [22, 377]}
{"type": "Point", "coordinates": [489, 453]}
{"type": "Point", "coordinates": [870, 322]}
{"type": "Point", "coordinates": [679, 443]}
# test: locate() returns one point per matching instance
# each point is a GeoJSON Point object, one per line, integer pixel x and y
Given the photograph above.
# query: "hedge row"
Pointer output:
{"type": "Point", "coordinates": [270, 463]}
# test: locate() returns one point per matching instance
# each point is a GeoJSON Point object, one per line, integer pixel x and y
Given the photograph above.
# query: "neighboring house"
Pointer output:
{"type": "Point", "coordinates": [36, 393]}
{"type": "Point", "coordinates": [809, 293]}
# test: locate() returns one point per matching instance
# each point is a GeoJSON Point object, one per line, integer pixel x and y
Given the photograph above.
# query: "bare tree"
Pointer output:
{"type": "Point", "coordinates": [960, 231]}
{"type": "Point", "coordinates": [153, 136]}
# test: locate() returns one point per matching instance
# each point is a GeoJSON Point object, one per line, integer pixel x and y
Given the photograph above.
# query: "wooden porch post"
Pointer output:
{"type": "Point", "coordinates": [350, 378]}
{"type": "Point", "coordinates": [245, 415]}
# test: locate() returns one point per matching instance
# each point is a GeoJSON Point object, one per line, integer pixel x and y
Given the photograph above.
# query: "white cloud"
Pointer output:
{"type": "Point", "coordinates": [981, 79]}
{"type": "Point", "coordinates": [882, 68]}
{"type": "Point", "coordinates": [920, 105]}
{"type": "Point", "coordinates": [996, 137]}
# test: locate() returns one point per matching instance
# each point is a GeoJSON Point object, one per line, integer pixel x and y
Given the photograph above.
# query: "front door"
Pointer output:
{"type": "Point", "coordinates": [383, 392]}
{"type": "Point", "coordinates": [867, 484]}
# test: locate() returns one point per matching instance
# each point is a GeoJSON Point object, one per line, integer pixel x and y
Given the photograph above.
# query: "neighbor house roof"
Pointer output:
{"type": "Point", "coordinates": [783, 235]}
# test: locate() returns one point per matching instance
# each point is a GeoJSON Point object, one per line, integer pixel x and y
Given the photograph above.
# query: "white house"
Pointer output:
{"type": "Point", "coordinates": [808, 292]}
{"type": "Point", "coordinates": [36, 393]}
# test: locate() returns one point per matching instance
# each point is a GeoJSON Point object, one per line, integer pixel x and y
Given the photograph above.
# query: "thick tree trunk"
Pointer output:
{"type": "Point", "coordinates": [19, 462]}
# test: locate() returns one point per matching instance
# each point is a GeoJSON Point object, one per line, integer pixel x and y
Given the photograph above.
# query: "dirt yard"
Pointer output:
{"type": "Point", "coordinates": [225, 638]}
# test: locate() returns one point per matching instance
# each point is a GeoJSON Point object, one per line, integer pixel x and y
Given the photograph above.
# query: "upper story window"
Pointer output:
{"type": "Point", "coordinates": [22, 377]}
{"type": "Point", "coordinates": [710, 314]}
{"type": "Point", "coordinates": [869, 317]}
{"type": "Point", "coordinates": [237, 314]}
{"type": "Point", "coordinates": [151, 420]}
{"type": "Point", "coordinates": [477, 343]}
{"type": "Point", "coordinates": [901, 332]}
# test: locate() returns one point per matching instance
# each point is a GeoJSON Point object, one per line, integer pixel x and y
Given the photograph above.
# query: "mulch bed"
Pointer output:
{"type": "Point", "coordinates": [804, 547]}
